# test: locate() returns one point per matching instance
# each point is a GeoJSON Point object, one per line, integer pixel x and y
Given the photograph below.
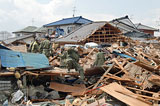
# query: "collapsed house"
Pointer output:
{"type": "Point", "coordinates": [130, 74]}
{"type": "Point", "coordinates": [131, 30]}
{"type": "Point", "coordinates": [23, 73]}
{"type": "Point", "coordinates": [98, 32]}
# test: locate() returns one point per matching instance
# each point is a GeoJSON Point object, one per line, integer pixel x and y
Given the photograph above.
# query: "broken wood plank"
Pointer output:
{"type": "Point", "coordinates": [6, 73]}
{"type": "Point", "coordinates": [115, 60]}
{"type": "Point", "coordinates": [29, 73]}
{"type": "Point", "coordinates": [54, 58]}
{"type": "Point", "coordinates": [144, 96]}
{"type": "Point", "coordinates": [67, 88]}
{"type": "Point", "coordinates": [141, 90]}
{"type": "Point", "coordinates": [103, 75]}
{"type": "Point", "coordinates": [117, 78]}
{"type": "Point", "coordinates": [155, 79]}
{"type": "Point", "coordinates": [113, 87]}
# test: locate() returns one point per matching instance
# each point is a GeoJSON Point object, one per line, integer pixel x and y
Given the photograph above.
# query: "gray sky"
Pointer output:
{"type": "Point", "coordinates": [17, 14]}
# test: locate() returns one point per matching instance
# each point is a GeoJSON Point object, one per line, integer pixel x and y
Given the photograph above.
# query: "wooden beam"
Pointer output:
{"type": "Point", "coordinates": [144, 96]}
{"type": "Point", "coordinates": [120, 66]}
{"type": "Point", "coordinates": [103, 75]}
{"type": "Point", "coordinates": [142, 90]}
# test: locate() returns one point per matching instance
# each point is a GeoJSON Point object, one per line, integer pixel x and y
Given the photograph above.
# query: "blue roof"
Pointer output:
{"type": "Point", "coordinates": [17, 59]}
{"type": "Point", "coordinates": [73, 20]}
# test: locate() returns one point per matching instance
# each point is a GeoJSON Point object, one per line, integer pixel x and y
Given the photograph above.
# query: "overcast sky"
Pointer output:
{"type": "Point", "coordinates": [17, 14]}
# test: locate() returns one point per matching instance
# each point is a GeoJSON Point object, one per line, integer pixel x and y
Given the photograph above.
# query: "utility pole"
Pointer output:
{"type": "Point", "coordinates": [74, 10]}
{"type": "Point", "coordinates": [33, 21]}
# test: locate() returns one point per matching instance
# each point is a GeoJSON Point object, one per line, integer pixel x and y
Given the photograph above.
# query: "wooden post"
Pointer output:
{"type": "Point", "coordinates": [25, 88]}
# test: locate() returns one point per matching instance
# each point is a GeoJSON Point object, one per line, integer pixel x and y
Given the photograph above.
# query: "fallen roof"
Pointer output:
{"type": "Point", "coordinates": [145, 27]}
{"type": "Point", "coordinates": [17, 59]}
{"type": "Point", "coordinates": [73, 20]}
{"type": "Point", "coordinates": [29, 29]}
{"type": "Point", "coordinates": [124, 24]}
{"type": "Point", "coordinates": [11, 40]}
{"type": "Point", "coordinates": [82, 33]}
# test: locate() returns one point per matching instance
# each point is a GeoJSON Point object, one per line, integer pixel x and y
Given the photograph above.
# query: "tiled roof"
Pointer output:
{"type": "Point", "coordinates": [73, 20]}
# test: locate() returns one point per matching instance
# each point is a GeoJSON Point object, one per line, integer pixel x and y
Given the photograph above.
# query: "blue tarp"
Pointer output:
{"type": "Point", "coordinates": [17, 59]}
{"type": "Point", "coordinates": [124, 55]}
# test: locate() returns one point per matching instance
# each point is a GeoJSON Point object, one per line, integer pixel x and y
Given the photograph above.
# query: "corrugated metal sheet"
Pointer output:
{"type": "Point", "coordinates": [82, 33]}
{"type": "Point", "coordinates": [35, 60]}
{"type": "Point", "coordinates": [17, 59]}
{"type": "Point", "coordinates": [11, 59]}
{"type": "Point", "coordinates": [73, 20]}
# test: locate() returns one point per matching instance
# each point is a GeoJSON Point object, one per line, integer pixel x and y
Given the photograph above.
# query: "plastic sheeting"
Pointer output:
{"type": "Point", "coordinates": [124, 55]}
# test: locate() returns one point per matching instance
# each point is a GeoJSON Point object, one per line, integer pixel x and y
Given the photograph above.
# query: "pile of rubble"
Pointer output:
{"type": "Point", "coordinates": [129, 76]}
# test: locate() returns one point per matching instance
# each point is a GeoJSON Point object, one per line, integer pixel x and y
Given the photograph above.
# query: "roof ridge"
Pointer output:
{"type": "Point", "coordinates": [70, 18]}
{"type": "Point", "coordinates": [69, 21]}
{"type": "Point", "coordinates": [146, 26]}
{"type": "Point", "coordinates": [78, 19]}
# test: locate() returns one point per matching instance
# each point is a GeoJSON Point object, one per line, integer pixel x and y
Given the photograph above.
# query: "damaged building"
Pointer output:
{"type": "Point", "coordinates": [134, 31]}
{"type": "Point", "coordinates": [129, 74]}
{"type": "Point", "coordinates": [98, 32]}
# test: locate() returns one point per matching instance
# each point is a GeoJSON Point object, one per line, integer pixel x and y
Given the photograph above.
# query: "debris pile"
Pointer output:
{"type": "Point", "coordinates": [129, 75]}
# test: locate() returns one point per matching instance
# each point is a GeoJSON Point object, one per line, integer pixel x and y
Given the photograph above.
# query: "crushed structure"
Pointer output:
{"type": "Point", "coordinates": [128, 75]}
{"type": "Point", "coordinates": [98, 32]}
